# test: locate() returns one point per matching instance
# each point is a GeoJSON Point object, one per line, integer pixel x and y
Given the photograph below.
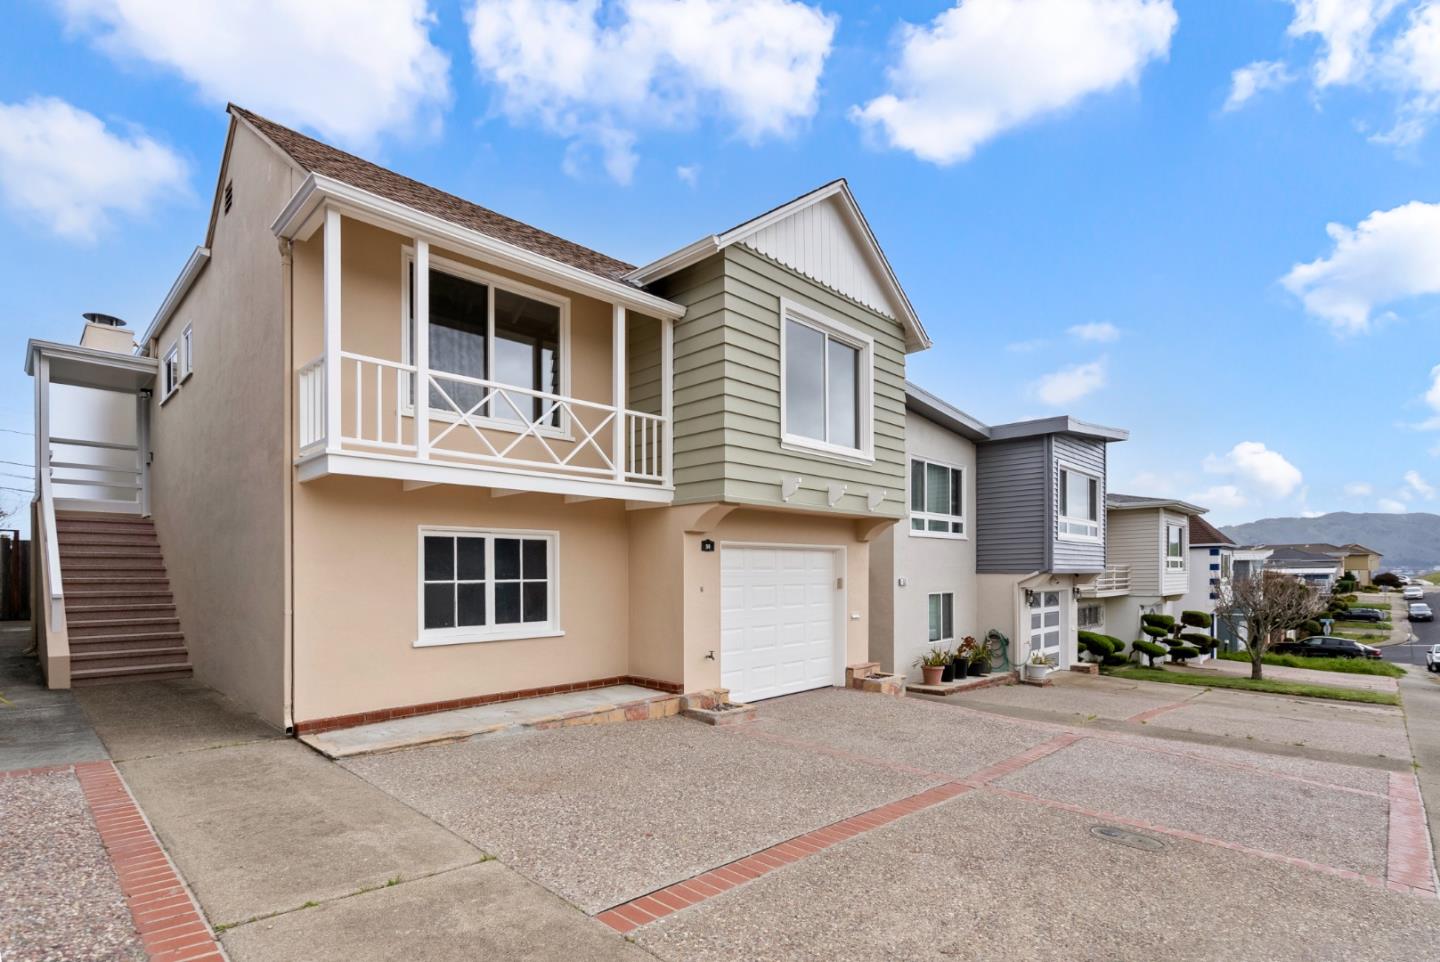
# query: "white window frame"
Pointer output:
{"type": "Point", "coordinates": [1080, 622]}
{"type": "Point", "coordinates": [1091, 526]}
{"type": "Point", "coordinates": [562, 431]}
{"type": "Point", "coordinates": [187, 353]}
{"type": "Point", "coordinates": [928, 516]}
{"type": "Point", "coordinates": [942, 595]}
{"type": "Point", "coordinates": [474, 634]}
{"type": "Point", "coordinates": [170, 372]}
{"type": "Point", "coordinates": [1175, 563]}
{"type": "Point", "coordinates": [865, 385]}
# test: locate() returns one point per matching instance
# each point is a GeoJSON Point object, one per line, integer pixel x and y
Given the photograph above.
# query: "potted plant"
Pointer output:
{"type": "Point", "coordinates": [1037, 669]}
{"type": "Point", "coordinates": [953, 669]}
{"type": "Point", "coordinates": [932, 665]}
{"type": "Point", "coordinates": [979, 656]}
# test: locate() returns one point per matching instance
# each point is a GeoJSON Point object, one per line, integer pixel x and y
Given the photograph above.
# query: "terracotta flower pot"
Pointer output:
{"type": "Point", "coordinates": [932, 673]}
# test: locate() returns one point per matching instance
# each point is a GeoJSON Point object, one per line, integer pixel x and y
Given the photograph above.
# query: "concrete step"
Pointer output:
{"type": "Point", "coordinates": [69, 539]}
{"type": "Point", "coordinates": [112, 658]}
{"type": "Point", "coordinates": [132, 643]}
{"type": "Point", "coordinates": [167, 637]}
{"type": "Point", "coordinates": [100, 523]}
{"type": "Point", "coordinates": [70, 552]}
{"type": "Point", "coordinates": [103, 627]}
{"type": "Point", "coordinates": [90, 567]}
{"type": "Point", "coordinates": [85, 678]}
{"type": "Point", "coordinates": [121, 596]}
{"type": "Point", "coordinates": [122, 608]}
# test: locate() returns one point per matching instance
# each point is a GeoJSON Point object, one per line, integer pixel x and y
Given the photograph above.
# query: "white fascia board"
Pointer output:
{"type": "Point", "coordinates": [188, 275]}
{"type": "Point", "coordinates": [403, 469]}
{"type": "Point", "coordinates": [132, 363]}
{"type": "Point", "coordinates": [676, 261]}
{"type": "Point", "coordinates": [394, 216]}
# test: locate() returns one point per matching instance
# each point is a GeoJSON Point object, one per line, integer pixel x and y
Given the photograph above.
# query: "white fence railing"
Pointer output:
{"type": "Point", "coordinates": [479, 421]}
{"type": "Point", "coordinates": [106, 472]}
{"type": "Point", "coordinates": [1116, 578]}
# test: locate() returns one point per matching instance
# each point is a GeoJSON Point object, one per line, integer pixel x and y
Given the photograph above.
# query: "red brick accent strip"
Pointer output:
{"type": "Point", "coordinates": [647, 908]}
{"type": "Point", "coordinates": [1141, 717]}
{"type": "Point", "coordinates": [169, 922]}
{"type": "Point", "coordinates": [1013, 764]}
{"type": "Point", "coordinates": [1411, 863]}
{"type": "Point", "coordinates": [313, 725]}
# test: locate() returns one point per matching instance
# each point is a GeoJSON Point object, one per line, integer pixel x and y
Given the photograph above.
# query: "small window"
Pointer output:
{"type": "Point", "coordinates": [1175, 547]}
{"type": "Point", "coordinates": [170, 372]}
{"type": "Point", "coordinates": [937, 499]}
{"type": "Point", "coordinates": [486, 586]}
{"type": "Point", "coordinates": [942, 616]}
{"type": "Point", "coordinates": [1090, 616]}
{"type": "Point", "coordinates": [825, 386]}
{"type": "Point", "coordinates": [1079, 506]}
{"type": "Point", "coordinates": [187, 353]}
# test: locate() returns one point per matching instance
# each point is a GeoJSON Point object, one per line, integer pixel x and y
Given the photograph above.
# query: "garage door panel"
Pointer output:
{"type": "Point", "coordinates": [778, 621]}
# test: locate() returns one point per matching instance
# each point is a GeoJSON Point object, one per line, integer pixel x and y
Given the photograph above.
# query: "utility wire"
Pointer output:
{"type": "Point", "coordinates": [18, 464]}
{"type": "Point", "coordinates": [5, 487]}
{"type": "Point", "coordinates": [28, 434]}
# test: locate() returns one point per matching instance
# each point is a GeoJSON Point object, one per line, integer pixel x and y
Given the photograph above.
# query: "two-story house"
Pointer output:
{"type": "Point", "coordinates": [1149, 563]}
{"type": "Point", "coordinates": [1005, 521]}
{"type": "Point", "coordinates": [1212, 567]}
{"type": "Point", "coordinates": [394, 453]}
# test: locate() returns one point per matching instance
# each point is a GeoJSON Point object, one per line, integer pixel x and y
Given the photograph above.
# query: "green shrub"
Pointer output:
{"type": "Point", "coordinates": [1196, 619]}
{"type": "Point", "coordinates": [1155, 631]}
{"type": "Point", "coordinates": [1150, 650]}
{"type": "Point", "coordinates": [1166, 622]}
{"type": "Point", "coordinates": [1308, 628]}
{"type": "Point", "coordinates": [1183, 653]}
{"type": "Point", "coordinates": [1116, 643]}
{"type": "Point", "coordinates": [1099, 646]}
{"type": "Point", "coordinates": [1113, 660]}
{"type": "Point", "coordinates": [1198, 641]}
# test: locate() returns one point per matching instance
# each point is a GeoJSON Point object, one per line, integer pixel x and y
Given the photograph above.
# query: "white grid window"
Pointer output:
{"type": "Point", "coordinates": [486, 585]}
{"type": "Point", "coordinates": [170, 372]}
{"type": "Point", "coordinates": [942, 616]}
{"type": "Point", "coordinates": [937, 499]}
{"type": "Point", "coordinates": [1090, 616]}
{"type": "Point", "coordinates": [1079, 506]}
{"type": "Point", "coordinates": [187, 352]}
{"type": "Point", "coordinates": [1175, 547]}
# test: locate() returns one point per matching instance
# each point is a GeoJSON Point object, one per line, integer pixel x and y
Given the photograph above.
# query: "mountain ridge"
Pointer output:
{"type": "Point", "coordinates": [1410, 540]}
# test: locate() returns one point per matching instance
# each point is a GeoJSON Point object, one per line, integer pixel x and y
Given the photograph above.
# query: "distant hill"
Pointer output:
{"type": "Point", "coordinates": [1407, 540]}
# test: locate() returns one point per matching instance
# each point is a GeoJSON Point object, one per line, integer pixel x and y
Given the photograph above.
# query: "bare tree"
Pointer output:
{"type": "Point", "coordinates": [1266, 607]}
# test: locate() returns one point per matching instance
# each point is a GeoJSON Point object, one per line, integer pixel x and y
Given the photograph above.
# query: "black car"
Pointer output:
{"type": "Point", "coordinates": [1362, 614]}
{"type": "Point", "coordinates": [1324, 646]}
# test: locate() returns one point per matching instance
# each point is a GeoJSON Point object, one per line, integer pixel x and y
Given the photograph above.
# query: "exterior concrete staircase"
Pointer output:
{"type": "Point", "coordinates": [118, 607]}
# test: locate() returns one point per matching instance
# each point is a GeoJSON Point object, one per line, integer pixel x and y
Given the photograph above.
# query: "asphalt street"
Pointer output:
{"type": "Point", "coordinates": [1423, 634]}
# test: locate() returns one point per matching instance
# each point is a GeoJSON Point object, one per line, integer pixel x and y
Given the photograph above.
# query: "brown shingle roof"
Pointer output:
{"type": "Point", "coordinates": [319, 158]}
{"type": "Point", "coordinates": [1203, 532]}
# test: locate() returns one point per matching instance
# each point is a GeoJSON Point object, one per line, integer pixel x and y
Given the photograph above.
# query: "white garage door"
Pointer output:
{"type": "Point", "coordinates": [778, 632]}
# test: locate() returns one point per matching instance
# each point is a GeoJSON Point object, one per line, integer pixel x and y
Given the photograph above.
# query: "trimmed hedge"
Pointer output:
{"type": "Point", "coordinates": [1196, 619]}
{"type": "Point", "coordinates": [1155, 631]}
{"type": "Point", "coordinates": [1150, 650]}
{"type": "Point", "coordinates": [1166, 622]}
{"type": "Point", "coordinates": [1198, 641]}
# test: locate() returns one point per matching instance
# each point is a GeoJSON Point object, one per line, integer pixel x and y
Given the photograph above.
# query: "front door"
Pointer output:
{"type": "Point", "coordinates": [1045, 632]}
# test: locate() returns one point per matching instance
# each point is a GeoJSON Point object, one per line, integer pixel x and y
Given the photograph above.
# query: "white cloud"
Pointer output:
{"type": "Point", "coordinates": [985, 66]}
{"type": "Point", "coordinates": [1414, 484]}
{"type": "Point", "coordinates": [1345, 28]}
{"type": "Point", "coordinates": [349, 69]}
{"type": "Point", "coordinates": [1221, 497]}
{"type": "Point", "coordinates": [688, 173]}
{"type": "Point", "coordinates": [1025, 347]}
{"type": "Point", "coordinates": [600, 76]}
{"type": "Point", "coordinates": [1432, 399]}
{"type": "Point", "coordinates": [1359, 489]}
{"type": "Point", "coordinates": [64, 168]}
{"type": "Point", "coordinates": [1071, 383]}
{"type": "Point", "coordinates": [1390, 506]}
{"type": "Point", "coordinates": [1255, 78]}
{"type": "Point", "coordinates": [1100, 331]}
{"type": "Point", "coordinates": [1258, 469]}
{"type": "Point", "coordinates": [1391, 255]}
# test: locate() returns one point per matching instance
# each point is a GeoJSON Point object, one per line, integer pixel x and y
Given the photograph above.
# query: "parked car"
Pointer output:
{"type": "Point", "coordinates": [1363, 614]}
{"type": "Point", "coordinates": [1432, 658]}
{"type": "Point", "coordinates": [1326, 646]}
{"type": "Point", "coordinates": [1413, 593]}
{"type": "Point", "coordinates": [1419, 611]}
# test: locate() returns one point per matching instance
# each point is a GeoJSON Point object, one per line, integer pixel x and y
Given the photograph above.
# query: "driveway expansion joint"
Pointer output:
{"type": "Point", "coordinates": [1410, 860]}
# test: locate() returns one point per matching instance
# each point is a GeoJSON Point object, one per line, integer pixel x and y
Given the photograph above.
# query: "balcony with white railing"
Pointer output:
{"type": "Point", "coordinates": [1113, 581]}
{"type": "Point", "coordinates": [361, 414]}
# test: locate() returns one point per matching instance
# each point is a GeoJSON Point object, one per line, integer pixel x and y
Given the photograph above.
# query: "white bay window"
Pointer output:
{"type": "Point", "coordinates": [1079, 506]}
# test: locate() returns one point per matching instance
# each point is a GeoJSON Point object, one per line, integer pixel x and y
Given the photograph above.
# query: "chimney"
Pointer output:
{"type": "Point", "coordinates": [105, 332]}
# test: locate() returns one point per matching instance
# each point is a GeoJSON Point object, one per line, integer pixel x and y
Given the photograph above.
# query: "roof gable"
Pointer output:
{"type": "Point", "coordinates": [821, 235]}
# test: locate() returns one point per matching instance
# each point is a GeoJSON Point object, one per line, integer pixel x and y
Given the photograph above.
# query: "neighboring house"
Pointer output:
{"type": "Point", "coordinates": [1148, 564]}
{"type": "Point", "coordinates": [417, 454]}
{"type": "Point", "coordinates": [1319, 569]}
{"type": "Point", "coordinates": [1212, 567]}
{"type": "Point", "coordinates": [1246, 561]}
{"type": "Point", "coordinates": [1005, 522]}
{"type": "Point", "coordinates": [1356, 560]}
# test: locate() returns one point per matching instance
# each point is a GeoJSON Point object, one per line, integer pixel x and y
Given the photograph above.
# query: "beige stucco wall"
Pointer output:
{"type": "Point", "coordinates": [357, 596]}
{"type": "Point", "coordinates": [1001, 604]}
{"type": "Point", "coordinates": [219, 471]}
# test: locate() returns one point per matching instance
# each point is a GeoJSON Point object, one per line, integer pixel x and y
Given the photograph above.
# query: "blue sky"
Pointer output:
{"type": "Point", "coordinates": [1119, 209]}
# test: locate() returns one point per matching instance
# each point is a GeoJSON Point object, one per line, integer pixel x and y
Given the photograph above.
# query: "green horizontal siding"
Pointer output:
{"type": "Point", "coordinates": [727, 389]}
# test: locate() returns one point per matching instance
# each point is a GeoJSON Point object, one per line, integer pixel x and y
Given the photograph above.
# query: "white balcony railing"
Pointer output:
{"type": "Point", "coordinates": [1113, 580]}
{"type": "Point", "coordinates": [478, 421]}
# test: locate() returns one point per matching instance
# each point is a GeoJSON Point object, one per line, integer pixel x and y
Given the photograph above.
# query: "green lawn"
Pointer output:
{"type": "Point", "coordinates": [1362, 637]}
{"type": "Point", "coordinates": [1297, 689]}
{"type": "Point", "coordinates": [1433, 577]}
{"type": "Point", "coordinates": [1362, 626]}
{"type": "Point", "coordinates": [1349, 666]}
{"type": "Point", "coordinates": [1377, 605]}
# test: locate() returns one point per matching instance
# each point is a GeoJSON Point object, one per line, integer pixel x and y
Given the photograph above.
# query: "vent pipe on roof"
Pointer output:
{"type": "Point", "coordinates": [106, 332]}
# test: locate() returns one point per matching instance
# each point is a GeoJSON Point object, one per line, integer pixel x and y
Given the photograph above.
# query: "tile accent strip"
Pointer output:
{"type": "Point", "coordinates": [1411, 861]}
{"type": "Point", "coordinates": [314, 725]}
{"type": "Point", "coordinates": [169, 922]}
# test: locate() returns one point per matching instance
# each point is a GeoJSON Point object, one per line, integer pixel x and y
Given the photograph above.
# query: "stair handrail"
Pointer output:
{"type": "Point", "coordinates": [54, 582]}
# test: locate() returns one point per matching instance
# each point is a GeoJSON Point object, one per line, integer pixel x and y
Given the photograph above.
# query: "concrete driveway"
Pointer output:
{"type": "Point", "coordinates": [1098, 819]}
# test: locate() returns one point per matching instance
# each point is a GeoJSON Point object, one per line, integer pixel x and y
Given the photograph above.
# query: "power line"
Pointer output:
{"type": "Point", "coordinates": [18, 464]}
{"type": "Point", "coordinates": [5, 487]}
{"type": "Point", "coordinates": [28, 434]}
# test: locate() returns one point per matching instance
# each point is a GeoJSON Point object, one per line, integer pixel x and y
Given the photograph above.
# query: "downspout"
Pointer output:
{"type": "Point", "coordinates": [287, 312]}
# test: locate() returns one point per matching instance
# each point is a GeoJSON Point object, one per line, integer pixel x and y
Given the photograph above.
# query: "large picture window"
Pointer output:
{"type": "Point", "coordinates": [826, 389]}
{"type": "Point", "coordinates": [486, 585]}
{"type": "Point", "coordinates": [488, 329]}
{"type": "Point", "coordinates": [1079, 505]}
{"type": "Point", "coordinates": [937, 499]}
